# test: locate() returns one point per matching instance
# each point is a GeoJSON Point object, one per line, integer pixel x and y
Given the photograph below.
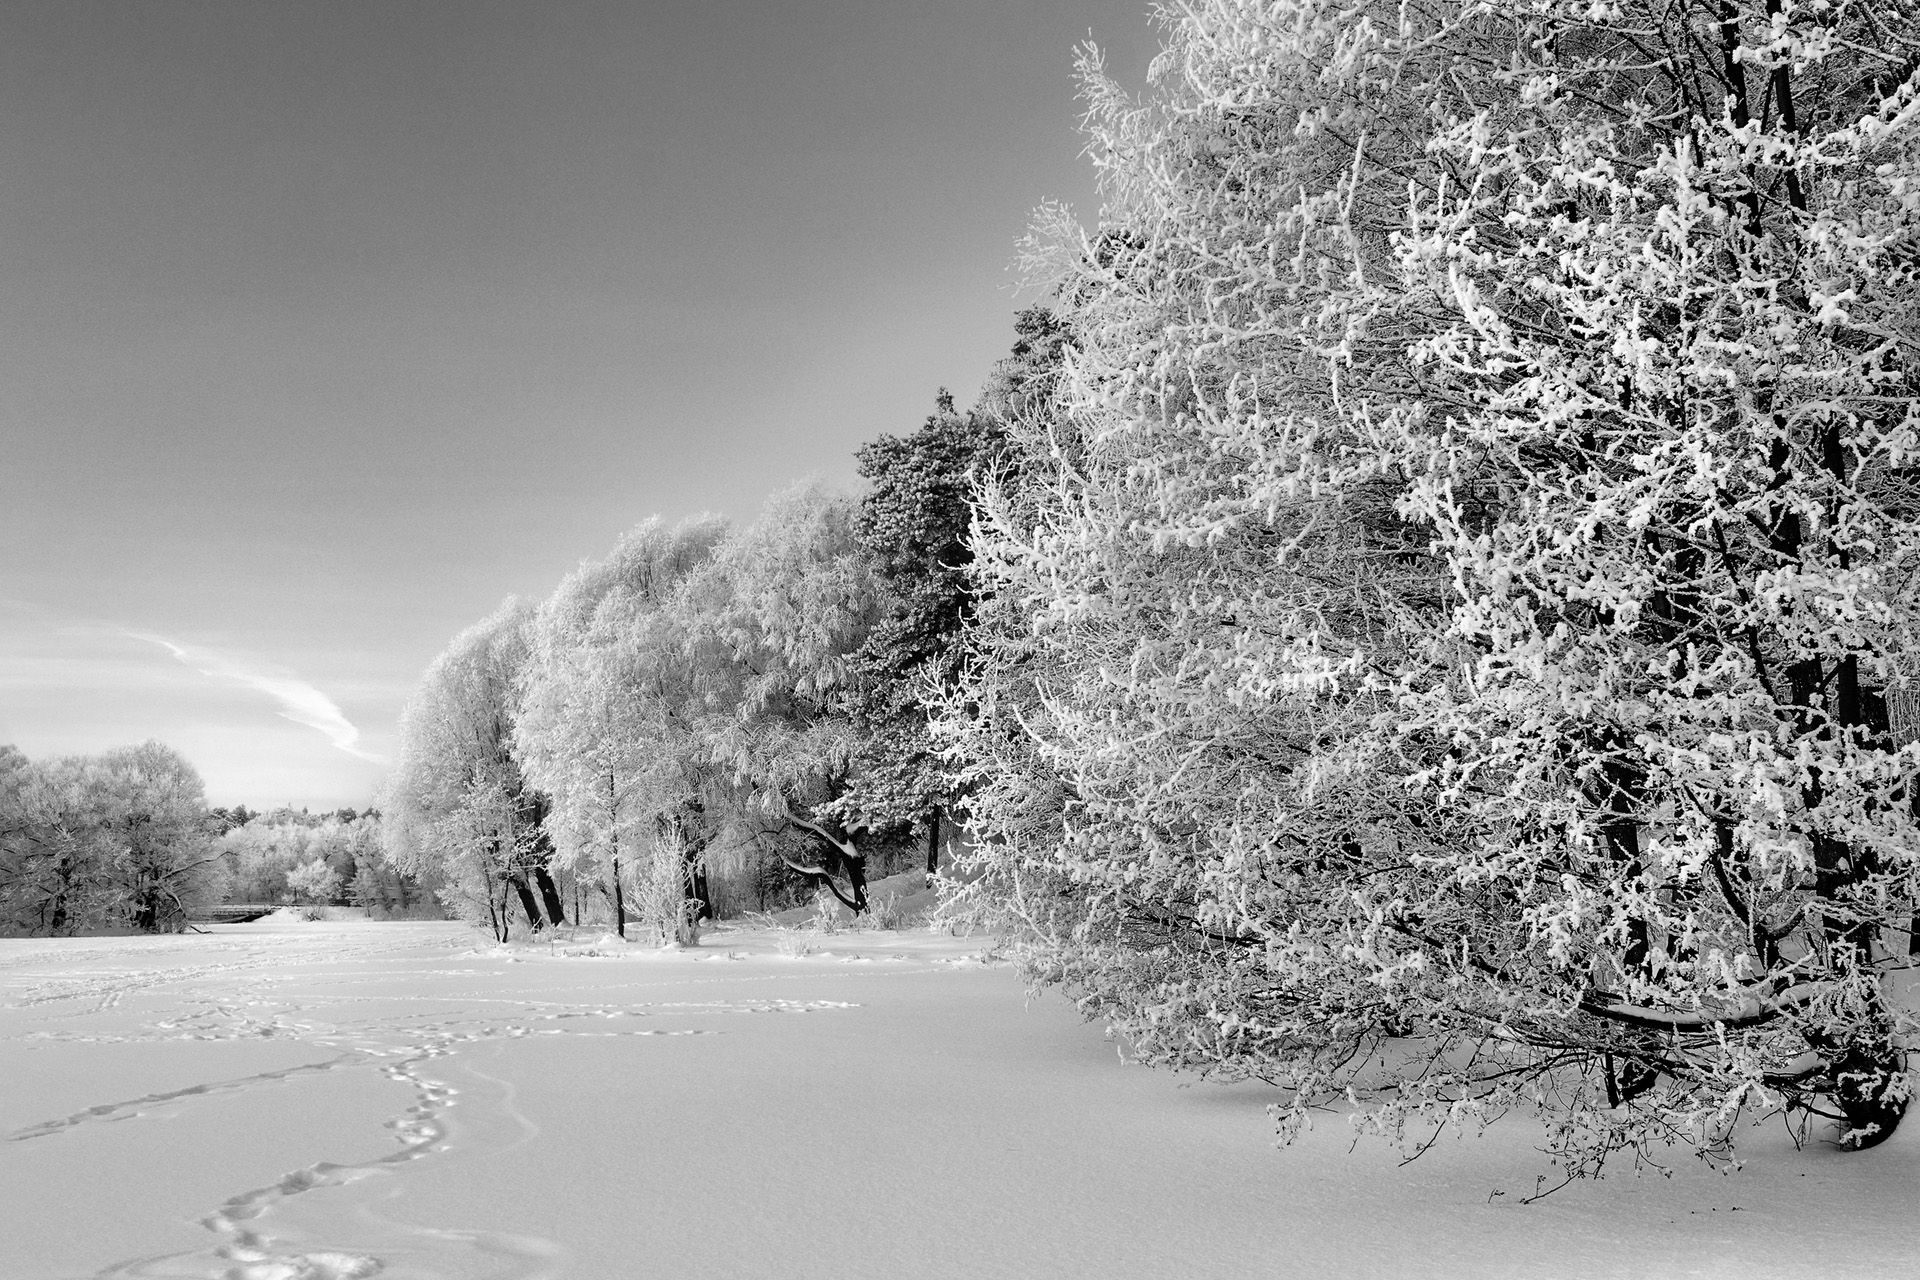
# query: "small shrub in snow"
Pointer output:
{"type": "Point", "coordinates": [826, 913]}
{"type": "Point", "coordinates": [794, 943]}
{"type": "Point", "coordinates": [884, 913]}
{"type": "Point", "coordinates": [660, 899]}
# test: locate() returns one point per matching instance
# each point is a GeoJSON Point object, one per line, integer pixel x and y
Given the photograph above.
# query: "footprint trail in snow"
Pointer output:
{"type": "Point", "coordinates": [408, 1013]}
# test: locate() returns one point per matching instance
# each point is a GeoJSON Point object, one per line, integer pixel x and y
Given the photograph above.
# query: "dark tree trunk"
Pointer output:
{"type": "Point", "coordinates": [146, 914]}
{"type": "Point", "coordinates": [528, 903]}
{"type": "Point", "coordinates": [838, 857]}
{"type": "Point", "coordinates": [550, 895]}
{"type": "Point", "coordinates": [531, 809]}
{"type": "Point", "coordinates": [58, 918]}
{"type": "Point", "coordinates": [697, 887]}
{"type": "Point", "coordinates": [1622, 802]}
{"type": "Point", "coordinates": [619, 900]}
{"type": "Point", "coordinates": [855, 870]}
{"type": "Point", "coordinates": [933, 842]}
{"type": "Point", "coordinates": [696, 867]}
{"type": "Point", "coordinates": [619, 896]}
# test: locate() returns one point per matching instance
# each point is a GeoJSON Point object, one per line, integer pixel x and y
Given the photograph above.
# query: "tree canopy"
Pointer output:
{"type": "Point", "coordinates": [458, 806]}
{"type": "Point", "coordinates": [118, 840]}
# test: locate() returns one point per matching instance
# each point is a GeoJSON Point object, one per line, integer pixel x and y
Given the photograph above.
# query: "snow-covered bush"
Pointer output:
{"type": "Point", "coordinates": [826, 917]}
{"type": "Point", "coordinates": [885, 914]}
{"type": "Point", "coordinates": [662, 900]}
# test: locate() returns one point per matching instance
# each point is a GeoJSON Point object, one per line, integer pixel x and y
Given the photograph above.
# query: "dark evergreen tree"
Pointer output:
{"type": "Point", "coordinates": [915, 522]}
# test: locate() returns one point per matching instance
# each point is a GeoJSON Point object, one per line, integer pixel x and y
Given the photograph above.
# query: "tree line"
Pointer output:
{"type": "Point", "coordinates": [712, 718]}
{"type": "Point", "coordinates": [299, 858]}
{"type": "Point", "coordinates": [125, 840]}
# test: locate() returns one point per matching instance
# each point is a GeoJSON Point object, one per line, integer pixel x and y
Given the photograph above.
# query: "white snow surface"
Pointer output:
{"type": "Point", "coordinates": [314, 1101]}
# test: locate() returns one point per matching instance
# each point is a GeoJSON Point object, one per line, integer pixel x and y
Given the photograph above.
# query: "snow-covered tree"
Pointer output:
{"type": "Point", "coordinates": [262, 852]}
{"type": "Point", "coordinates": [1180, 612]}
{"type": "Point", "coordinates": [109, 841]}
{"type": "Point", "coordinates": [683, 698]}
{"type": "Point", "coordinates": [1453, 594]}
{"type": "Point", "coordinates": [603, 717]}
{"type": "Point", "coordinates": [375, 882]}
{"type": "Point", "coordinates": [56, 860]}
{"type": "Point", "coordinates": [457, 806]}
{"type": "Point", "coordinates": [1667, 455]}
{"type": "Point", "coordinates": [313, 881]}
{"type": "Point", "coordinates": [259, 854]}
{"type": "Point", "coordinates": [773, 621]}
{"type": "Point", "coordinates": [166, 864]}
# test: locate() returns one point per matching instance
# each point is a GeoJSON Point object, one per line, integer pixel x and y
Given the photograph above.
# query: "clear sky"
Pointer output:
{"type": "Point", "coordinates": [328, 325]}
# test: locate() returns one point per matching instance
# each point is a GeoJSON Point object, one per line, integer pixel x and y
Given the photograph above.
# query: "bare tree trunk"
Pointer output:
{"type": "Point", "coordinates": [530, 813]}
{"type": "Point", "coordinates": [613, 849]}
{"type": "Point", "coordinates": [550, 895]}
{"type": "Point", "coordinates": [62, 882]}
{"type": "Point", "coordinates": [838, 858]}
{"type": "Point", "coordinates": [528, 903]}
{"type": "Point", "coordinates": [697, 887]}
{"type": "Point", "coordinates": [495, 918]}
{"type": "Point", "coordinates": [696, 869]}
{"type": "Point", "coordinates": [619, 900]}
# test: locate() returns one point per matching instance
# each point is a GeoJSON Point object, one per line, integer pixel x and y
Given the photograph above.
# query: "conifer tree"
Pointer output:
{"type": "Point", "coordinates": [914, 522]}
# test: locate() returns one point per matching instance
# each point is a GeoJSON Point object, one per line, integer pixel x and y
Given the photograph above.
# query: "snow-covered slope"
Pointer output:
{"type": "Point", "coordinates": [323, 1100]}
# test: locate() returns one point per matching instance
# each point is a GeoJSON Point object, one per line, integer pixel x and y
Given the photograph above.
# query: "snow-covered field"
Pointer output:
{"type": "Point", "coordinates": [406, 1100]}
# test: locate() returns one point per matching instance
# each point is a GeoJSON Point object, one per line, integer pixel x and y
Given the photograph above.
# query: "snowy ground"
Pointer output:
{"type": "Point", "coordinates": [350, 1099]}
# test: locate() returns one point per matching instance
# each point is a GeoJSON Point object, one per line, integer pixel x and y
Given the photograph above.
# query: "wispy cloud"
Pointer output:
{"type": "Point", "coordinates": [299, 701]}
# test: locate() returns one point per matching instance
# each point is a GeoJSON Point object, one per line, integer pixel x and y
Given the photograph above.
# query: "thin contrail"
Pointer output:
{"type": "Point", "coordinates": [299, 701]}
